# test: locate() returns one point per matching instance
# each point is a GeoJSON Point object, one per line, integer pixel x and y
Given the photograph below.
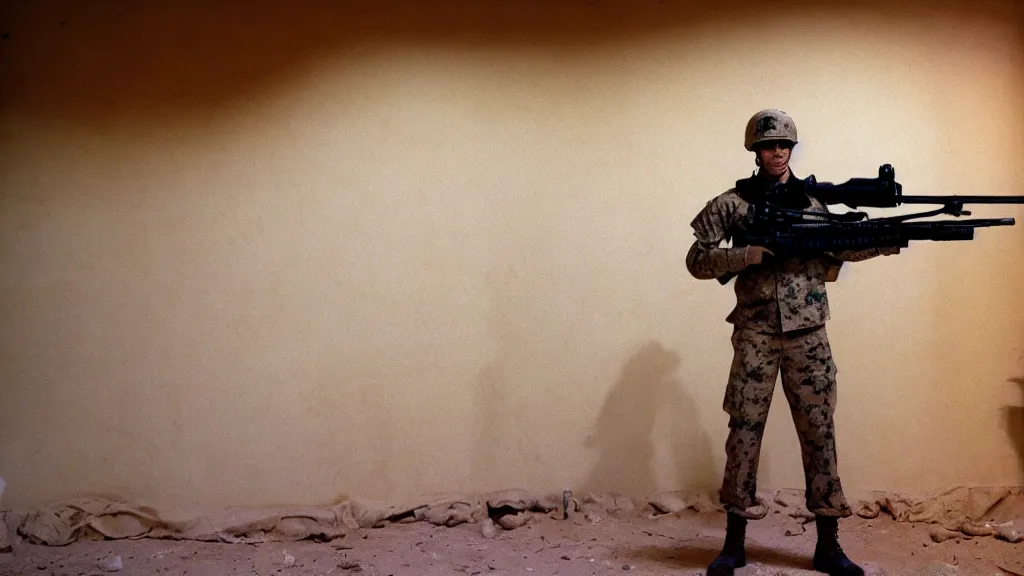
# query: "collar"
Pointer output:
{"type": "Point", "coordinates": [792, 194]}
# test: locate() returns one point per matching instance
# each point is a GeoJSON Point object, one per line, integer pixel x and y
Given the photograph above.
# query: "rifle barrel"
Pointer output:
{"type": "Point", "coordinates": [962, 199]}
{"type": "Point", "coordinates": [972, 223]}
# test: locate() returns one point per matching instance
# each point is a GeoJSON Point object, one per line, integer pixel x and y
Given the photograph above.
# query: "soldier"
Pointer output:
{"type": "Point", "coordinates": [778, 325]}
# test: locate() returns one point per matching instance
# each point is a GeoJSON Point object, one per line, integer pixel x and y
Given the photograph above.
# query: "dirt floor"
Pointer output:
{"type": "Point", "coordinates": [681, 543]}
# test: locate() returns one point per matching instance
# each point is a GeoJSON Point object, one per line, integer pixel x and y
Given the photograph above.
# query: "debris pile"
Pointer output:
{"type": "Point", "coordinates": [957, 513]}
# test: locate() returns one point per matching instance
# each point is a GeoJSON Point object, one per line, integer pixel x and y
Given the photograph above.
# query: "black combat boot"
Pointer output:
{"type": "Point", "coordinates": [733, 555]}
{"type": "Point", "coordinates": [828, 554]}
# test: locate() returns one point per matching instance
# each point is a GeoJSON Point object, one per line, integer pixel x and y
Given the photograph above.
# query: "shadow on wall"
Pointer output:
{"type": "Point", "coordinates": [104, 61]}
{"type": "Point", "coordinates": [1013, 421]}
{"type": "Point", "coordinates": [625, 429]}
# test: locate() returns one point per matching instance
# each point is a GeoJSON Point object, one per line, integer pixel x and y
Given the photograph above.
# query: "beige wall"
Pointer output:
{"type": "Point", "coordinates": [256, 255]}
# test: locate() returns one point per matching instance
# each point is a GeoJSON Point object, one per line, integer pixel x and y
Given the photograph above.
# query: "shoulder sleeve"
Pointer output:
{"type": "Point", "coordinates": [706, 258]}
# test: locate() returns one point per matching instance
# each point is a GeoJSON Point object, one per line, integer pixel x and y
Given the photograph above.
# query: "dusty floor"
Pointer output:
{"type": "Point", "coordinates": [671, 544]}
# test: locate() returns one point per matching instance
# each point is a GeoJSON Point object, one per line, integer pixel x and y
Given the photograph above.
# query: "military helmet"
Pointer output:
{"type": "Point", "coordinates": [769, 124]}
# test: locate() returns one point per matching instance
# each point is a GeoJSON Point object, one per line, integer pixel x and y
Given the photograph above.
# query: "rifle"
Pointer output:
{"type": "Point", "coordinates": [787, 231]}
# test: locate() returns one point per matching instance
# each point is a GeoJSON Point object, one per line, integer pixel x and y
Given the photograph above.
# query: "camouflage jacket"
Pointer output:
{"type": "Point", "coordinates": [780, 295]}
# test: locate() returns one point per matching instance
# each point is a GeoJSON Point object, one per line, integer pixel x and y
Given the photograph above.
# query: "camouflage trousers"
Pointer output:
{"type": "Point", "coordinates": [809, 382]}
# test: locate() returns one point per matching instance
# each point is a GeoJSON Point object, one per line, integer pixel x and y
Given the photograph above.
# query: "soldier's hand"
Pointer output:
{"type": "Point", "coordinates": [756, 254]}
{"type": "Point", "coordinates": [832, 274]}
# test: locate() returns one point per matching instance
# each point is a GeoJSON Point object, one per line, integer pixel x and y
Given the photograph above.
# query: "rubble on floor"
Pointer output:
{"type": "Point", "coordinates": [961, 512]}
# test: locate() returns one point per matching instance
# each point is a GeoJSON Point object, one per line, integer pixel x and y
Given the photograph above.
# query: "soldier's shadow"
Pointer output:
{"type": "Point", "coordinates": [647, 408]}
{"type": "Point", "coordinates": [1013, 423]}
{"type": "Point", "coordinates": [687, 556]}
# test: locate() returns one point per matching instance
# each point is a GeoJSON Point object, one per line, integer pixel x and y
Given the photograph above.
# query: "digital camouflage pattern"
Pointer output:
{"type": "Point", "coordinates": [777, 296]}
{"type": "Point", "coordinates": [779, 327]}
{"type": "Point", "coordinates": [804, 359]}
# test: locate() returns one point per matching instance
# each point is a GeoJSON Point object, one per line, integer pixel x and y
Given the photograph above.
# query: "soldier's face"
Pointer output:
{"type": "Point", "coordinates": [774, 157]}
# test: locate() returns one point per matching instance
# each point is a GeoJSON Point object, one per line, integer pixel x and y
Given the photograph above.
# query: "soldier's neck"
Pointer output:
{"type": "Point", "coordinates": [780, 179]}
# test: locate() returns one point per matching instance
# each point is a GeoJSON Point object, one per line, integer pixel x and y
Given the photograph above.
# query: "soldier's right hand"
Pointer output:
{"type": "Point", "coordinates": [756, 255]}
